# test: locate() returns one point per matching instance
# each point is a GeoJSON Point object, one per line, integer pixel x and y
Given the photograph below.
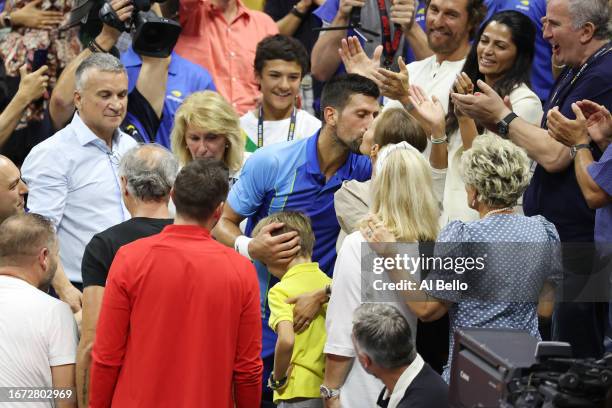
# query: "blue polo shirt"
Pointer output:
{"type": "Point", "coordinates": [541, 70]}
{"type": "Point", "coordinates": [557, 196]}
{"type": "Point", "coordinates": [328, 10]}
{"type": "Point", "coordinates": [184, 78]}
{"type": "Point", "coordinates": [287, 176]}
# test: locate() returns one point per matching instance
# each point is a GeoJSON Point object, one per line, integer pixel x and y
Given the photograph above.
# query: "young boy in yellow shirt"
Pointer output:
{"type": "Point", "coordinates": [298, 357]}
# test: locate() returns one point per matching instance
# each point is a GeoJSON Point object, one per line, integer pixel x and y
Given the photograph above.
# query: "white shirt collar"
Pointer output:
{"type": "Point", "coordinates": [86, 136]}
{"type": "Point", "coordinates": [404, 382]}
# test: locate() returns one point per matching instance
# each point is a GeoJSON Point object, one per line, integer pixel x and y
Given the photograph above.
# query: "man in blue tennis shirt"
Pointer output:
{"type": "Point", "coordinates": [301, 175]}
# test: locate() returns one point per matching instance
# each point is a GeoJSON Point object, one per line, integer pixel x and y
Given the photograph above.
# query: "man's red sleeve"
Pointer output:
{"type": "Point", "coordinates": [111, 335]}
{"type": "Point", "coordinates": [247, 365]}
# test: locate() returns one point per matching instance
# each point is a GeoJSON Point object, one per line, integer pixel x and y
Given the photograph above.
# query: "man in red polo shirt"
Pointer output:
{"type": "Point", "coordinates": [180, 324]}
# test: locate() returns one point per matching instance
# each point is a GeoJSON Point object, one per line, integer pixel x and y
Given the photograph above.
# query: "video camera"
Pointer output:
{"type": "Point", "coordinates": [153, 36]}
{"type": "Point", "coordinates": [511, 369]}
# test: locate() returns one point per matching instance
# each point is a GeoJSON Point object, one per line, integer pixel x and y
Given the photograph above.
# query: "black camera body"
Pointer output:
{"type": "Point", "coordinates": [153, 36]}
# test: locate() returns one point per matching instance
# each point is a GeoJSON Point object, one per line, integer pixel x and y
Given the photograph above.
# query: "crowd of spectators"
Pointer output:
{"type": "Point", "coordinates": [196, 229]}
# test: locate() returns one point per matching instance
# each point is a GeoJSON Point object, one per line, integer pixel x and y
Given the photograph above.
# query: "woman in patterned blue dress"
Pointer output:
{"type": "Point", "coordinates": [504, 293]}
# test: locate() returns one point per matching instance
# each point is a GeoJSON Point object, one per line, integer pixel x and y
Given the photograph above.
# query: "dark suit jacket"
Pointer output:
{"type": "Point", "coordinates": [427, 390]}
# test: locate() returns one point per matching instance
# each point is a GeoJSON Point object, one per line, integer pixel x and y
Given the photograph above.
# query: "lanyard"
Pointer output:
{"type": "Point", "coordinates": [260, 121]}
{"type": "Point", "coordinates": [564, 88]}
{"type": "Point", "coordinates": [389, 47]}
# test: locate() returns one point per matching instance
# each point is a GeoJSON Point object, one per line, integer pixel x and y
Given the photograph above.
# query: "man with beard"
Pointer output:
{"type": "Point", "coordinates": [450, 25]}
{"type": "Point", "coordinates": [39, 334]}
{"type": "Point", "coordinates": [302, 175]}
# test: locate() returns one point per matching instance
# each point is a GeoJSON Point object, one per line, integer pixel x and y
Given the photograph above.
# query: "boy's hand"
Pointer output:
{"type": "Point", "coordinates": [307, 306]}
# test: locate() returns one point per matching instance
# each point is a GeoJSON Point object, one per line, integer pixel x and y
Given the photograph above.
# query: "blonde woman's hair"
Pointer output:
{"type": "Point", "coordinates": [403, 197]}
{"type": "Point", "coordinates": [497, 169]}
{"type": "Point", "coordinates": [208, 111]}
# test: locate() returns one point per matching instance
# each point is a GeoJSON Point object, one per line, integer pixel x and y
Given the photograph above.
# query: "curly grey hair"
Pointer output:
{"type": "Point", "coordinates": [150, 171]}
{"type": "Point", "coordinates": [497, 169]}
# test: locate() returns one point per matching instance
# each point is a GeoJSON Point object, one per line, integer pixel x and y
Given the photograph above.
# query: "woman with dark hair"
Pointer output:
{"type": "Point", "coordinates": [501, 56]}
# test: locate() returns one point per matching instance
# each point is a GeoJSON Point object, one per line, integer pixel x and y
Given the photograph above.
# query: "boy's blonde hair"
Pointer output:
{"type": "Point", "coordinates": [294, 221]}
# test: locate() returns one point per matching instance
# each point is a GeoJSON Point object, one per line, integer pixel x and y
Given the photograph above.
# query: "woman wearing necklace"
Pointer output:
{"type": "Point", "coordinates": [504, 293]}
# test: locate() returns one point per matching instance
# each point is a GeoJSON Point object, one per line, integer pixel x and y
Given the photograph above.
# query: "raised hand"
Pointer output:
{"type": "Point", "coordinates": [599, 121]}
{"type": "Point", "coordinates": [345, 7]}
{"type": "Point", "coordinates": [567, 131]}
{"type": "Point", "coordinates": [394, 85]}
{"type": "Point", "coordinates": [356, 61]}
{"type": "Point", "coordinates": [32, 86]}
{"type": "Point", "coordinates": [32, 16]}
{"type": "Point", "coordinates": [428, 112]}
{"type": "Point", "coordinates": [403, 13]}
{"type": "Point", "coordinates": [485, 107]}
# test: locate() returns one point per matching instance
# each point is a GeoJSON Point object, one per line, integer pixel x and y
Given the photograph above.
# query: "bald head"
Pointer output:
{"type": "Point", "coordinates": [12, 189]}
{"type": "Point", "coordinates": [149, 171]}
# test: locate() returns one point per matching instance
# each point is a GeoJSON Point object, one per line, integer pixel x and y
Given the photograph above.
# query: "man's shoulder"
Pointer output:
{"type": "Point", "coordinates": [427, 390]}
{"type": "Point", "coordinates": [132, 229]}
{"type": "Point", "coordinates": [283, 152]}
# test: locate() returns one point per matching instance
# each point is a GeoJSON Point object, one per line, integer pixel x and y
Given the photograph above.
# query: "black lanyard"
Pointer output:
{"type": "Point", "coordinates": [260, 121]}
{"type": "Point", "coordinates": [565, 85]}
{"type": "Point", "coordinates": [389, 47]}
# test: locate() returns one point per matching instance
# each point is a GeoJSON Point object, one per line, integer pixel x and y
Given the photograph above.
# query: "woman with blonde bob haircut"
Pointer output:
{"type": "Point", "coordinates": [521, 252]}
{"type": "Point", "coordinates": [207, 126]}
{"type": "Point", "coordinates": [405, 204]}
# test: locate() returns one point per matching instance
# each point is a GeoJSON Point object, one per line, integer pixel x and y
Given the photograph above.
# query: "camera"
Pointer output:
{"type": "Point", "coordinates": [153, 36]}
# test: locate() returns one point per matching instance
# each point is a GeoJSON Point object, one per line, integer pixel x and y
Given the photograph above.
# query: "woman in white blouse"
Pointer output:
{"type": "Point", "coordinates": [411, 214]}
{"type": "Point", "coordinates": [501, 56]}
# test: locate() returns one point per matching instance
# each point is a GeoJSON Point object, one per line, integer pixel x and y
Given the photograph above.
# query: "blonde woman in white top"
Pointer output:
{"type": "Point", "coordinates": [410, 213]}
{"type": "Point", "coordinates": [501, 56]}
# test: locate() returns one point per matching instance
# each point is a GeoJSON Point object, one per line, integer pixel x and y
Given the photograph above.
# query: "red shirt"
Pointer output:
{"type": "Point", "coordinates": [180, 326]}
{"type": "Point", "coordinates": [225, 49]}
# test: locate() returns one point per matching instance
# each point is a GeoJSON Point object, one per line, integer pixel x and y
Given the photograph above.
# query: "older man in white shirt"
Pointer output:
{"type": "Point", "coordinates": [72, 176]}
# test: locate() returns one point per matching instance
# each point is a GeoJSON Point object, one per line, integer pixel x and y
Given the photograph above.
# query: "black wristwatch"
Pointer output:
{"type": "Point", "coordinates": [276, 384]}
{"type": "Point", "coordinates": [574, 149]}
{"type": "Point", "coordinates": [298, 13]}
{"type": "Point", "coordinates": [503, 126]}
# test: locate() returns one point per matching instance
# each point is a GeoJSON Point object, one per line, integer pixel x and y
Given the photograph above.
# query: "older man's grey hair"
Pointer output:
{"type": "Point", "coordinates": [99, 61]}
{"type": "Point", "coordinates": [150, 171]}
{"type": "Point", "coordinates": [384, 334]}
{"type": "Point", "coordinates": [596, 12]}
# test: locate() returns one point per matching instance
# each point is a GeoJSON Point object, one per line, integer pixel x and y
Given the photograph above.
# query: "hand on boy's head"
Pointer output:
{"type": "Point", "coordinates": [277, 249]}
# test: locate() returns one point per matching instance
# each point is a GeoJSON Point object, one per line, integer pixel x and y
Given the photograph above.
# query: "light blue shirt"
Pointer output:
{"type": "Point", "coordinates": [73, 180]}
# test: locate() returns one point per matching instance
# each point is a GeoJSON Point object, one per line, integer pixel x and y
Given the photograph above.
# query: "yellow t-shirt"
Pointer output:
{"type": "Point", "coordinates": [307, 359]}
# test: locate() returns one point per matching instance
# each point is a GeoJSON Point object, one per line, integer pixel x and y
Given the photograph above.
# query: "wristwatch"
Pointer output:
{"type": "Point", "coordinates": [276, 384]}
{"type": "Point", "coordinates": [574, 149]}
{"type": "Point", "coordinates": [503, 126]}
{"type": "Point", "coordinates": [328, 393]}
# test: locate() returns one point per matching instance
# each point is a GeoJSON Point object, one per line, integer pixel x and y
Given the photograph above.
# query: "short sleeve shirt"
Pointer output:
{"type": "Point", "coordinates": [601, 172]}
{"type": "Point", "coordinates": [287, 176]}
{"type": "Point", "coordinates": [101, 250]}
{"type": "Point", "coordinates": [184, 78]}
{"type": "Point", "coordinates": [506, 274]}
{"type": "Point", "coordinates": [307, 358]}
